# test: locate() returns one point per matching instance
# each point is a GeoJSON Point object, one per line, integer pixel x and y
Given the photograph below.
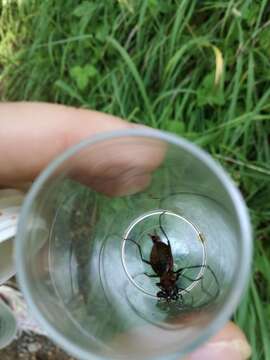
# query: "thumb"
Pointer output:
{"type": "Point", "coordinates": [229, 343]}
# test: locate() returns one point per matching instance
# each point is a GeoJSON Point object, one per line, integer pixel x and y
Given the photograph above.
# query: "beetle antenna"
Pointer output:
{"type": "Point", "coordinates": [162, 229]}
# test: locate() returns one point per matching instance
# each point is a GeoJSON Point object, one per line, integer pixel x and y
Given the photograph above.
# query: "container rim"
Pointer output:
{"type": "Point", "coordinates": [244, 266]}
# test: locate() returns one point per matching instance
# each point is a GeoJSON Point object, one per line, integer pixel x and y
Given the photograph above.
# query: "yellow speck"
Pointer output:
{"type": "Point", "coordinates": [201, 237]}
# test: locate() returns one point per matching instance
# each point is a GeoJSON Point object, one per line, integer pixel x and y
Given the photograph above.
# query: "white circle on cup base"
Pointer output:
{"type": "Point", "coordinates": [187, 243]}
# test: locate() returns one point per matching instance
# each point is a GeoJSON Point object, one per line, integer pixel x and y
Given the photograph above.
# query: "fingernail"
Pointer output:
{"type": "Point", "coordinates": [222, 350]}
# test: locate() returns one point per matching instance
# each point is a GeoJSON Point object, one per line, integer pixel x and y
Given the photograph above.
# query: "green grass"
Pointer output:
{"type": "Point", "coordinates": [153, 62]}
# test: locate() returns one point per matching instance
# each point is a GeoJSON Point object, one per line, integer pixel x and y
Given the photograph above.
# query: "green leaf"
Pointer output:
{"type": "Point", "coordinates": [82, 75]}
{"type": "Point", "coordinates": [153, 6]}
{"type": "Point", "coordinates": [75, 71]}
{"type": "Point", "coordinates": [209, 93]}
{"type": "Point", "coordinates": [90, 71]}
{"type": "Point", "coordinates": [102, 32]}
{"type": "Point", "coordinates": [79, 76]}
{"type": "Point", "coordinates": [264, 40]}
{"type": "Point", "coordinates": [177, 127]}
{"type": "Point", "coordinates": [85, 9]}
{"type": "Point", "coordinates": [251, 13]}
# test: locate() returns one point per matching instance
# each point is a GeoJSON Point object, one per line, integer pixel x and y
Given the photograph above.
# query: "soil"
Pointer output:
{"type": "Point", "coordinates": [30, 346]}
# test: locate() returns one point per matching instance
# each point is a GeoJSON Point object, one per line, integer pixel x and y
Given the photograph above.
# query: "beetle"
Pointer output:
{"type": "Point", "coordinates": [162, 262]}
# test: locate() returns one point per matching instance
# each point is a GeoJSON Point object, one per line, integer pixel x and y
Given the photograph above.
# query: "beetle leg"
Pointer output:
{"type": "Point", "coordinates": [161, 295]}
{"type": "Point", "coordinates": [179, 273]}
{"type": "Point", "coordinates": [188, 292]}
{"type": "Point", "coordinates": [140, 251]}
{"type": "Point", "coordinates": [181, 298]}
{"type": "Point", "coordinates": [151, 275]}
{"type": "Point", "coordinates": [196, 267]}
{"type": "Point", "coordinates": [162, 229]}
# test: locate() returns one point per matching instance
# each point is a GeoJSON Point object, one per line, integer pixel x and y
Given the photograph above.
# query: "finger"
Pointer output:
{"type": "Point", "coordinates": [33, 134]}
{"type": "Point", "coordinates": [117, 166]}
{"type": "Point", "coordinates": [229, 343]}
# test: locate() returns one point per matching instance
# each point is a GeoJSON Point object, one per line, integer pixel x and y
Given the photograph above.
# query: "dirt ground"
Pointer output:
{"type": "Point", "coordinates": [31, 346]}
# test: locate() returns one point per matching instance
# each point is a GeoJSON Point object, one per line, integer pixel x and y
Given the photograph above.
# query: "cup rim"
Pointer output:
{"type": "Point", "coordinates": [241, 277]}
{"type": "Point", "coordinates": [11, 330]}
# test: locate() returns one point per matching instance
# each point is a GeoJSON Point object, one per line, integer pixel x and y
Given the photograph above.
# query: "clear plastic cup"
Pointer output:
{"type": "Point", "coordinates": [8, 324]}
{"type": "Point", "coordinates": [86, 258]}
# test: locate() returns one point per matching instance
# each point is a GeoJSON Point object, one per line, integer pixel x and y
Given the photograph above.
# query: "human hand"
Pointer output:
{"type": "Point", "coordinates": [31, 135]}
{"type": "Point", "coordinates": [230, 343]}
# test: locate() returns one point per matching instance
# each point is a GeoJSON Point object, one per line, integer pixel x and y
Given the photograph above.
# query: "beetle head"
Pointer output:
{"type": "Point", "coordinates": [154, 237]}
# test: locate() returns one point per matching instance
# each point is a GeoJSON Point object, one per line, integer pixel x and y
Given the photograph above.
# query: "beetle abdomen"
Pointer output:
{"type": "Point", "coordinates": [161, 258]}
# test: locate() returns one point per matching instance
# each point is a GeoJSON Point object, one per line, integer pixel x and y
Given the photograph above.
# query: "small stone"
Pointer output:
{"type": "Point", "coordinates": [34, 347]}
